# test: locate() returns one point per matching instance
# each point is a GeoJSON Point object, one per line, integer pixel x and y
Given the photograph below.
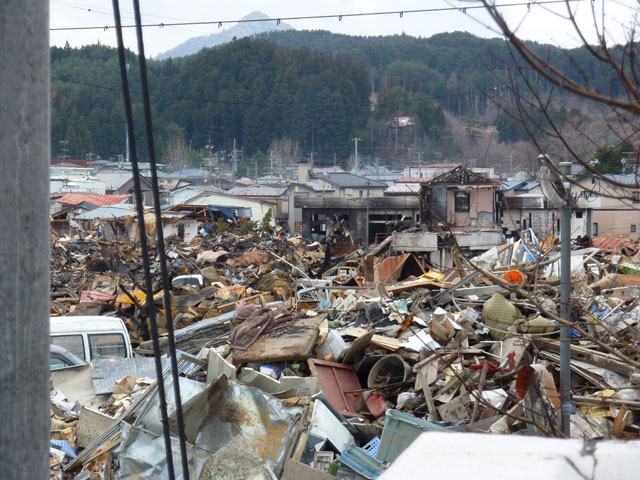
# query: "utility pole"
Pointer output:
{"type": "Point", "coordinates": [356, 161]}
{"type": "Point", "coordinates": [24, 238]}
{"type": "Point", "coordinates": [271, 163]}
{"type": "Point", "coordinates": [64, 149]}
{"type": "Point", "coordinates": [126, 131]}
{"type": "Point", "coordinates": [233, 156]}
{"type": "Point", "coordinates": [366, 243]}
{"type": "Point", "coordinates": [566, 407]}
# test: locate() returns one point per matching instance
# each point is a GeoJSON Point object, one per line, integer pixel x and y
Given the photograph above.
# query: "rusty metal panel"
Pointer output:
{"type": "Point", "coordinates": [340, 385]}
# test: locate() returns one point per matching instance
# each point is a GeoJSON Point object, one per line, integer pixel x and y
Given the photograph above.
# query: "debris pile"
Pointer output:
{"type": "Point", "coordinates": [301, 360]}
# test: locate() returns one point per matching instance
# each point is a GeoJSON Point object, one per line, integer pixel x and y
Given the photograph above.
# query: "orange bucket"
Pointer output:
{"type": "Point", "coordinates": [514, 276]}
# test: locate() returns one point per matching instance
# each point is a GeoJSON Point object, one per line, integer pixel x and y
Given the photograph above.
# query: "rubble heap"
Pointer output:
{"type": "Point", "coordinates": [302, 360]}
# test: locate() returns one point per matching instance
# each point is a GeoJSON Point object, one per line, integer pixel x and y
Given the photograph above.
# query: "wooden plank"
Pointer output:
{"type": "Point", "coordinates": [433, 413]}
{"type": "Point", "coordinates": [620, 421]}
{"type": "Point", "coordinates": [357, 346]}
{"type": "Point", "coordinates": [392, 344]}
{"type": "Point", "coordinates": [480, 387]}
{"type": "Point", "coordinates": [401, 287]}
{"type": "Point", "coordinates": [630, 279]}
{"type": "Point", "coordinates": [599, 359]}
{"type": "Point", "coordinates": [581, 400]}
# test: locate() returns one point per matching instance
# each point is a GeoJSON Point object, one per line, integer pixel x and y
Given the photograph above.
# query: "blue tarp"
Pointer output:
{"type": "Point", "coordinates": [226, 211]}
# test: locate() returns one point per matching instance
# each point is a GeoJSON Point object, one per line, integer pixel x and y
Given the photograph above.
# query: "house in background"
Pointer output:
{"type": "Point", "coordinates": [227, 205]}
{"type": "Point", "coordinates": [180, 195]}
{"type": "Point", "coordinates": [65, 207]}
{"type": "Point", "coordinates": [460, 200]}
{"type": "Point", "coordinates": [120, 220]}
{"type": "Point", "coordinates": [458, 208]}
{"type": "Point", "coordinates": [611, 204]}
{"type": "Point", "coordinates": [331, 201]}
{"type": "Point", "coordinates": [121, 183]}
{"type": "Point", "coordinates": [276, 195]}
{"type": "Point", "coordinates": [322, 216]}
{"type": "Point", "coordinates": [342, 184]}
{"type": "Point", "coordinates": [432, 170]}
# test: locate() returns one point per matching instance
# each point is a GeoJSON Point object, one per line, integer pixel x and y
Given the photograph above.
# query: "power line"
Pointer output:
{"type": "Point", "coordinates": [339, 17]}
{"type": "Point", "coordinates": [101, 11]}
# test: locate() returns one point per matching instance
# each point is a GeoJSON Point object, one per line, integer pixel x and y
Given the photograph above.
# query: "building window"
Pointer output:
{"type": "Point", "coordinates": [578, 214]}
{"type": "Point", "coordinates": [361, 193]}
{"type": "Point", "coordinates": [462, 201]}
{"type": "Point", "coordinates": [595, 229]}
{"type": "Point", "coordinates": [636, 197]}
{"type": "Point", "coordinates": [633, 229]}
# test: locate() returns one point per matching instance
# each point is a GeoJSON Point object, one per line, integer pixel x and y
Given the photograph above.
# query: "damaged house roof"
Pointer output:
{"type": "Point", "coordinates": [346, 180]}
{"type": "Point", "coordinates": [92, 198]}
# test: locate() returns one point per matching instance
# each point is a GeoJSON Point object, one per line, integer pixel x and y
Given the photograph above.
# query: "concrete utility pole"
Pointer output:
{"type": "Point", "coordinates": [24, 238]}
{"type": "Point", "coordinates": [271, 163]}
{"type": "Point", "coordinates": [366, 242]}
{"type": "Point", "coordinates": [126, 132]}
{"type": "Point", "coordinates": [566, 407]}
{"type": "Point", "coordinates": [235, 166]}
{"type": "Point", "coordinates": [356, 161]}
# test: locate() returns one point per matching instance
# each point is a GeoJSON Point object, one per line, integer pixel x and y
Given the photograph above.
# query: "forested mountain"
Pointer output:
{"type": "Point", "coordinates": [315, 88]}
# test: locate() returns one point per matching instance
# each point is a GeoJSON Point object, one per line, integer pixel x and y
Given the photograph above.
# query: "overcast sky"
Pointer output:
{"type": "Point", "coordinates": [538, 23]}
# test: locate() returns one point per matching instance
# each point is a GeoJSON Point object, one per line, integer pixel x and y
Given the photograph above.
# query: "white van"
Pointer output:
{"type": "Point", "coordinates": [91, 337]}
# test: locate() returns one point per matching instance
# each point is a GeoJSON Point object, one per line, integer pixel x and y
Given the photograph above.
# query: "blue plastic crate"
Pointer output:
{"type": "Point", "coordinates": [371, 448]}
{"type": "Point", "coordinates": [399, 431]}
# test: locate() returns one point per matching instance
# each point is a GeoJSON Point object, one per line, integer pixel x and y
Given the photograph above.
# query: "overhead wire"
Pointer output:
{"type": "Point", "coordinates": [166, 286]}
{"type": "Point", "coordinates": [337, 16]}
{"type": "Point", "coordinates": [144, 248]}
{"type": "Point", "coordinates": [100, 11]}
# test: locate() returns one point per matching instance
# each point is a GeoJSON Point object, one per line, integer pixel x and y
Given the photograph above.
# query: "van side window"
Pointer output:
{"type": "Point", "coordinates": [72, 343]}
{"type": "Point", "coordinates": [107, 345]}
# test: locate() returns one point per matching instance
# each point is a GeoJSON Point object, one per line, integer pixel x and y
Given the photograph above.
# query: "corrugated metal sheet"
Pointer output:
{"type": "Point", "coordinates": [224, 418]}
{"type": "Point", "coordinates": [403, 189]}
{"type": "Point", "coordinates": [414, 180]}
{"type": "Point", "coordinates": [139, 404]}
{"type": "Point", "coordinates": [257, 191]}
{"type": "Point", "coordinates": [105, 372]}
{"type": "Point", "coordinates": [613, 242]}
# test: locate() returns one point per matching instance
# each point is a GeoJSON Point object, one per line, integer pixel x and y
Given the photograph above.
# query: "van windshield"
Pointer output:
{"type": "Point", "coordinates": [107, 345]}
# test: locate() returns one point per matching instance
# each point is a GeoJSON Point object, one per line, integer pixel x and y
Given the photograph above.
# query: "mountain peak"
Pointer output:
{"type": "Point", "coordinates": [255, 15]}
{"type": "Point", "coordinates": [260, 22]}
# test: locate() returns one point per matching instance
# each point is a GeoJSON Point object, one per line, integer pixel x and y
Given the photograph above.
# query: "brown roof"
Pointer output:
{"type": "Point", "coordinates": [92, 198]}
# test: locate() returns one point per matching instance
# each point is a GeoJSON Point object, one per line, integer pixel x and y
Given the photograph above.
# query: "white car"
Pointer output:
{"type": "Point", "coordinates": [91, 337]}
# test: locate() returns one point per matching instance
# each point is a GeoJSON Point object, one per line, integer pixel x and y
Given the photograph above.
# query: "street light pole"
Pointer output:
{"type": "Point", "coordinates": [566, 407]}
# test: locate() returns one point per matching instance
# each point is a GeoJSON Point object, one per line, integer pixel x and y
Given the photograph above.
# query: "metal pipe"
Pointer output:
{"type": "Point", "coordinates": [565, 309]}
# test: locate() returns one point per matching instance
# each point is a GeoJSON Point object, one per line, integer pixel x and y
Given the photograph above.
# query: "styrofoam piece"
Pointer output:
{"type": "Point", "coordinates": [464, 455]}
{"type": "Point", "coordinates": [324, 424]}
{"type": "Point", "coordinates": [334, 344]}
